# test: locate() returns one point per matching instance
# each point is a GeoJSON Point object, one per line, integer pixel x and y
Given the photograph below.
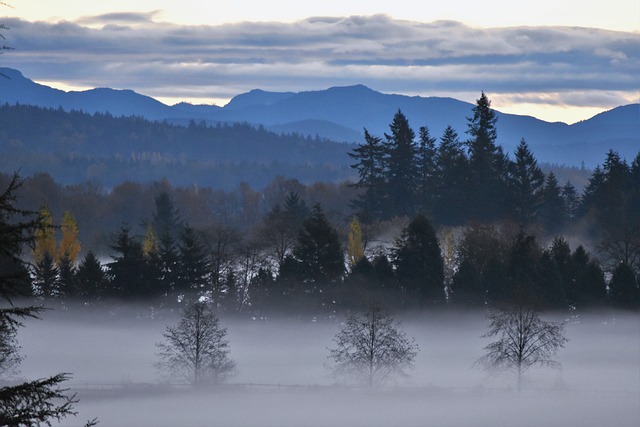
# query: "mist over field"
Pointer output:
{"type": "Point", "coordinates": [282, 380]}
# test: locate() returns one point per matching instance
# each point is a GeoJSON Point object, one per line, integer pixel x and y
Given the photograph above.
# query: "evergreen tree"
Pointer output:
{"type": "Point", "coordinates": [401, 166]}
{"type": "Point", "coordinates": [418, 260]}
{"type": "Point", "coordinates": [571, 201]}
{"type": "Point", "coordinates": [318, 250]}
{"type": "Point", "coordinates": [46, 281]}
{"type": "Point", "coordinates": [426, 172]}
{"type": "Point", "coordinates": [552, 213]}
{"type": "Point", "coordinates": [194, 272]}
{"type": "Point", "coordinates": [130, 273]}
{"type": "Point", "coordinates": [450, 182]}
{"type": "Point", "coordinates": [34, 402]}
{"type": "Point", "coordinates": [526, 184]}
{"type": "Point", "coordinates": [91, 278]}
{"type": "Point", "coordinates": [623, 287]}
{"type": "Point", "coordinates": [370, 163]}
{"type": "Point", "coordinates": [67, 277]}
{"type": "Point", "coordinates": [487, 164]}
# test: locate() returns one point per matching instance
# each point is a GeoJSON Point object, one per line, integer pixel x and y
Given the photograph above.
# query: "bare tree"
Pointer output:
{"type": "Point", "coordinates": [196, 349]}
{"type": "Point", "coordinates": [371, 348]}
{"type": "Point", "coordinates": [524, 340]}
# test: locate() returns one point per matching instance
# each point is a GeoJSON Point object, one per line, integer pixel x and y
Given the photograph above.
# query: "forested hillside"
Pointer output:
{"type": "Point", "coordinates": [77, 147]}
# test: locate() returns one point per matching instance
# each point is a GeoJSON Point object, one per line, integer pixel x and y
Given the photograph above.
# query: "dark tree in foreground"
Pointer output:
{"type": "Point", "coordinates": [371, 348]}
{"type": "Point", "coordinates": [37, 402]}
{"type": "Point", "coordinates": [196, 349]}
{"type": "Point", "coordinates": [524, 340]}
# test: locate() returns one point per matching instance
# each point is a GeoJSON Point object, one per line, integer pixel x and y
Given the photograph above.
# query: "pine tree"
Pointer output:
{"type": "Point", "coordinates": [418, 260]}
{"type": "Point", "coordinates": [91, 278]}
{"type": "Point", "coordinates": [370, 163]}
{"type": "Point", "coordinates": [526, 184]}
{"type": "Point", "coordinates": [33, 402]}
{"type": "Point", "coordinates": [318, 250]}
{"type": "Point", "coordinates": [552, 213]}
{"type": "Point", "coordinates": [450, 180]}
{"type": "Point", "coordinates": [401, 166]}
{"type": "Point", "coordinates": [487, 164]}
{"type": "Point", "coordinates": [194, 266]}
{"type": "Point", "coordinates": [426, 172]}
{"type": "Point", "coordinates": [46, 281]}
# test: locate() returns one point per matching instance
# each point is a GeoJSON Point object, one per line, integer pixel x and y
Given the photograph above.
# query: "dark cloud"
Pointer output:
{"type": "Point", "coordinates": [131, 50]}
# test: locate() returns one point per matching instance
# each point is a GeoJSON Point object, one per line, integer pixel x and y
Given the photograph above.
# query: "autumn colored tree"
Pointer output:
{"type": "Point", "coordinates": [355, 249]}
{"type": "Point", "coordinates": [69, 244]}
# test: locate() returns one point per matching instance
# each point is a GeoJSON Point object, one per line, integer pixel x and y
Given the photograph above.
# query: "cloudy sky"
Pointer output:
{"type": "Point", "coordinates": [555, 59]}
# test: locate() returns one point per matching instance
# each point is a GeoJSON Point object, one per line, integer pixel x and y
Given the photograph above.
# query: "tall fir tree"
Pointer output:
{"type": "Point", "coordinates": [426, 172]}
{"type": "Point", "coordinates": [418, 261]}
{"type": "Point", "coordinates": [370, 163]}
{"type": "Point", "coordinates": [526, 182]}
{"type": "Point", "coordinates": [488, 166]}
{"type": "Point", "coordinates": [450, 179]}
{"type": "Point", "coordinates": [401, 167]}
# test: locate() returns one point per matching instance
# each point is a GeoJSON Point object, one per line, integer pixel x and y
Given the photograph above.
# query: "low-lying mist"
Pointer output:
{"type": "Point", "coordinates": [282, 380]}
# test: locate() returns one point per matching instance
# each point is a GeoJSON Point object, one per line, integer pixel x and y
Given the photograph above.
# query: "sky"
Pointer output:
{"type": "Point", "coordinates": [553, 59]}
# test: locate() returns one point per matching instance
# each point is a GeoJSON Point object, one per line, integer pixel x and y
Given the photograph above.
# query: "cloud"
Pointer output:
{"type": "Point", "coordinates": [132, 50]}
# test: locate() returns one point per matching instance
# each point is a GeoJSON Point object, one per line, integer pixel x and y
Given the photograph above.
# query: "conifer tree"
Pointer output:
{"type": "Point", "coordinates": [487, 164]}
{"type": "Point", "coordinates": [418, 260]}
{"type": "Point", "coordinates": [370, 163]}
{"type": "Point", "coordinates": [426, 170]}
{"type": "Point", "coordinates": [526, 185]}
{"type": "Point", "coordinates": [451, 179]}
{"type": "Point", "coordinates": [401, 166]}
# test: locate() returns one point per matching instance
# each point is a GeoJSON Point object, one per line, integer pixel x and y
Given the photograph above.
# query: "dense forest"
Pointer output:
{"type": "Point", "coordinates": [429, 221]}
{"type": "Point", "coordinates": [76, 147]}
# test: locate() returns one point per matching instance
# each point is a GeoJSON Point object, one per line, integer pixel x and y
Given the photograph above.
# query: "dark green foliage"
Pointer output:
{"type": "Point", "coordinates": [401, 166]}
{"type": "Point", "coordinates": [193, 268]}
{"type": "Point", "coordinates": [526, 182]}
{"type": "Point", "coordinates": [426, 172]}
{"type": "Point", "coordinates": [450, 181]}
{"type": "Point", "coordinates": [623, 287]}
{"type": "Point", "coordinates": [418, 261]}
{"type": "Point", "coordinates": [131, 274]}
{"type": "Point", "coordinates": [35, 402]}
{"type": "Point", "coordinates": [46, 278]}
{"type": "Point", "coordinates": [318, 250]}
{"type": "Point", "coordinates": [552, 213]}
{"type": "Point", "coordinates": [371, 165]}
{"type": "Point", "coordinates": [488, 166]}
{"type": "Point", "coordinates": [91, 279]}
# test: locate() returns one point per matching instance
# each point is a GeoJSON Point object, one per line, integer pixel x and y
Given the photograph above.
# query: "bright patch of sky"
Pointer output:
{"type": "Point", "coordinates": [552, 59]}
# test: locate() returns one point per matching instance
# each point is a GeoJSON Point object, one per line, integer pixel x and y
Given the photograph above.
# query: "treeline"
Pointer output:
{"type": "Point", "coordinates": [415, 229]}
{"type": "Point", "coordinates": [76, 147]}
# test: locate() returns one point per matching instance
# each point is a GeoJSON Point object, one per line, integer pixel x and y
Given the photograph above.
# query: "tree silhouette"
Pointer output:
{"type": "Point", "coordinates": [524, 341]}
{"type": "Point", "coordinates": [196, 349]}
{"type": "Point", "coordinates": [371, 348]}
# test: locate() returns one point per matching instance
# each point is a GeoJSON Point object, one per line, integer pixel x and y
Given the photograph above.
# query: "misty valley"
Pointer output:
{"type": "Point", "coordinates": [448, 283]}
{"type": "Point", "coordinates": [282, 380]}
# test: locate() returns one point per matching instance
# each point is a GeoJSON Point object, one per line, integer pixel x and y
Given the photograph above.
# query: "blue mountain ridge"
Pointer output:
{"type": "Point", "coordinates": [342, 113]}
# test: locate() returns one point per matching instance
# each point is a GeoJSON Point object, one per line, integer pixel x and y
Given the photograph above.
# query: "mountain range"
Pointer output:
{"type": "Point", "coordinates": [342, 113]}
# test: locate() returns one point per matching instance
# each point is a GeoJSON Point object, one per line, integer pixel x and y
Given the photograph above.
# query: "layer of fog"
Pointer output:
{"type": "Point", "coordinates": [111, 357]}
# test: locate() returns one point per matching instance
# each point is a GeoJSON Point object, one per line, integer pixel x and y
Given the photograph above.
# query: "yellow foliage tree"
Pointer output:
{"type": "Point", "coordinates": [45, 239]}
{"type": "Point", "coordinates": [150, 244]}
{"type": "Point", "coordinates": [355, 249]}
{"type": "Point", "coordinates": [69, 245]}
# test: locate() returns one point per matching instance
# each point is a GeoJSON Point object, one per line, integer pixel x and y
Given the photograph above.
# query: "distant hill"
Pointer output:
{"type": "Point", "coordinates": [341, 113]}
